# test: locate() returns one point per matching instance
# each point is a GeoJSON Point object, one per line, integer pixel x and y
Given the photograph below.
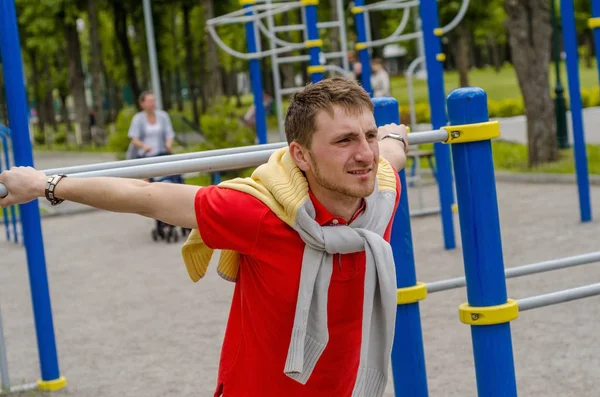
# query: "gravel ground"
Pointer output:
{"type": "Point", "coordinates": [129, 322]}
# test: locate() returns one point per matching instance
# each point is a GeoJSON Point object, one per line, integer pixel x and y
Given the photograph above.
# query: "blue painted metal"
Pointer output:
{"type": "Point", "coordinates": [567, 14]}
{"type": "Point", "coordinates": [596, 14]}
{"type": "Point", "coordinates": [435, 75]}
{"type": "Point", "coordinates": [12, 66]}
{"type": "Point", "coordinates": [12, 219]}
{"type": "Point", "coordinates": [312, 33]}
{"type": "Point", "coordinates": [256, 80]}
{"type": "Point", "coordinates": [408, 358]}
{"type": "Point", "coordinates": [363, 55]}
{"type": "Point", "coordinates": [482, 245]}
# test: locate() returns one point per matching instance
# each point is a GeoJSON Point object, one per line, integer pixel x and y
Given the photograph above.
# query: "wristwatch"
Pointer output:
{"type": "Point", "coordinates": [397, 137]}
{"type": "Point", "coordinates": [50, 186]}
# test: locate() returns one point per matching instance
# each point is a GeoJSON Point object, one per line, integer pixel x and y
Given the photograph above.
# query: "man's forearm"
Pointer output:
{"type": "Point", "coordinates": [393, 151]}
{"type": "Point", "coordinates": [170, 203]}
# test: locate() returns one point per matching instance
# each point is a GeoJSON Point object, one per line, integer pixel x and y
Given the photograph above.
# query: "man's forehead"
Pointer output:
{"type": "Point", "coordinates": [342, 114]}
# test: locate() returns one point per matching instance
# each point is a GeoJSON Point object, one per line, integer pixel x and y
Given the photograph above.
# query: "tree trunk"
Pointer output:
{"type": "Point", "coordinates": [120, 23]}
{"type": "Point", "coordinates": [96, 71]}
{"type": "Point", "coordinates": [76, 82]}
{"type": "Point", "coordinates": [166, 82]}
{"type": "Point", "coordinates": [50, 113]}
{"type": "Point", "coordinates": [189, 64]}
{"type": "Point", "coordinates": [495, 54]}
{"type": "Point", "coordinates": [589, 43]}
{"type": "Point", "coordinates": [287, 69]}
{"type": "Point", "coordinates": [177, 82]}
{"type": "Point", "coordinates": [37, 91]}
{"type": "Point", "coordinates": [462, 54]}
{"type": "Point", "coordinates": [214, 79]}
{"type": "Point", "coordinates": [530, 32]}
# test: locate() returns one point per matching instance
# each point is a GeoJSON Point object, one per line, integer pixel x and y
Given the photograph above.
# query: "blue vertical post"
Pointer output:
{"type": "Point", "coordinates": [435, 84]}
{"type": "Point", "coordinates": [4, 210]}
{"type": "Point", "coordinates": [408, 357]}
{"type": "Point", "coordinates": [30, 214]}
{"type": "Point", "coordinates": [363, 50]}
{"type": "Point", "coordinates": [5, 133]}
{"type": "Point", "coordinates": [255, 75]}
{"type": "Point", "coordinates": [596, 29]}
{"type": "Point", "coordinates": [312, 35]}
{"type": "Point", "coordinates": [567, 15]}
{"type": "Point", "coordinates": [482, 245]}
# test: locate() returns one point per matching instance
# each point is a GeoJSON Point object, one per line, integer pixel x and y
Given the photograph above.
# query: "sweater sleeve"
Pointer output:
{"type": "Point", "coordinates": [135, 127]}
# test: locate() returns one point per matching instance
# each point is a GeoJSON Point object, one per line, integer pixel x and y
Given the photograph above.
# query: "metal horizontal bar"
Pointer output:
{"type": "Point", "coordinates": [292, 59]}
{"type": "Point", "coordinates": [288, 28]}
{"type": "Point", "coordinates": [329, 24]}
{"type": "Point", "coordinates": [162, 159]}
{"type": "Point", "coordinates": [292, 90]}
{"type": "Point", "coordinates": [425, 212]}
{"type": "Point", "coordinates": [207, 164]}
{"type": "Point", "coordinates": [558, 297]}
{"type": "Point", "coordinates": [524, 270]}
{"type": "Point", "coordinates": [216, 163]}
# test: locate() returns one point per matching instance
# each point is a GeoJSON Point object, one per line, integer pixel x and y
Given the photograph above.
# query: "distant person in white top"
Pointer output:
{"type": "Point", "coordinates": [151, 131]}
{"type": "Point", "coordinates": [380, 79]}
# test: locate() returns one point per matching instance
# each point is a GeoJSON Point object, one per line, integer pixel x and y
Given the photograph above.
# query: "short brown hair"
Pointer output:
{"type": "Point", "coordinates": [300, 121]}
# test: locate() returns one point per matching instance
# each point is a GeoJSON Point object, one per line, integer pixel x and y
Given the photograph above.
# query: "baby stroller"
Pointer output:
{"type": "Point", "coordinates": [162, 230]}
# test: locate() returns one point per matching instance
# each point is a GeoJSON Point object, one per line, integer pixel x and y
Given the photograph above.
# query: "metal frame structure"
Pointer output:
{"type": "Point", "coordinates": [430, 35]}
{"type": "Point", "coordinates": [252, 15]}
{"type": "Point", "coordinates": [9, 214]}
{"type": "Point", "coordinates": [488, 311]}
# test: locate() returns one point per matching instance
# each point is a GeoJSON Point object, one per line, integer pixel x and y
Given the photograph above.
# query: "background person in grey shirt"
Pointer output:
{"type": "Point", "coordinates": [151, 130]}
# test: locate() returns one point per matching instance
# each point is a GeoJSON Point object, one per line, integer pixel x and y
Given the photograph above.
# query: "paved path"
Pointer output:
{"type": "Point", "coordinates": [129, 322]}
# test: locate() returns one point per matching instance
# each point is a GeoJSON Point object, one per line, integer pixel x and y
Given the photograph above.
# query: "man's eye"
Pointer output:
{"type": "Point", "coordinates": [344, 140]}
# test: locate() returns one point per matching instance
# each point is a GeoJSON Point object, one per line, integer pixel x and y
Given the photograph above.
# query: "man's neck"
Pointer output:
{"type": "Point", "coordinates": [337, 204]}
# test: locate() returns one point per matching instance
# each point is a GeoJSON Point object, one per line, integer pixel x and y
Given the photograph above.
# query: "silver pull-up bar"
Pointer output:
{"type": "Point", "coordinates": [207, 161]}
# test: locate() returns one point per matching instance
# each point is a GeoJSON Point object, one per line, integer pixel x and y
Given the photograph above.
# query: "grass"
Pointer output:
{"type": "Point", "coordinates": [513, 157]}
{"type": "Point", "coordinates": [498, 85]}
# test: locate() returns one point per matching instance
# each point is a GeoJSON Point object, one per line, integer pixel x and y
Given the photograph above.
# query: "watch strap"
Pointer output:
{"type": "Point", "coordinates": [51, 186]}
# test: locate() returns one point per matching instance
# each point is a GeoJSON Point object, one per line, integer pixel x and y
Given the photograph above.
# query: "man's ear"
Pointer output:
{"type": "Point", "coordinates": [301, 156]}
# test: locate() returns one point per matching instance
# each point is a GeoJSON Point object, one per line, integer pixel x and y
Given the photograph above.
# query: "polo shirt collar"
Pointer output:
{"type": "Point", "coordinates": [325, 218]}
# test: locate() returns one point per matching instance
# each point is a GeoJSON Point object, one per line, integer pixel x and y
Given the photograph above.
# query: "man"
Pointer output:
{"type": "Point", "coordinates": [306, 240]}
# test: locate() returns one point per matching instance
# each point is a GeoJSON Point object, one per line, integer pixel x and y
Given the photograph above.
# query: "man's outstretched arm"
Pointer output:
{"type": "Point", "coordinates": [167, 202]}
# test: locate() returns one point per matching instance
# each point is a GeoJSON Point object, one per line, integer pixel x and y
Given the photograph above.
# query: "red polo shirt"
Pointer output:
{"type": "Point", "coordinates": [264, 300]}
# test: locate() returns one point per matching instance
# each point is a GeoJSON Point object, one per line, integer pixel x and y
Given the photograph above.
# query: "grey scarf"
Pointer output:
{"type": "Point", "coordinates": [310, 334]}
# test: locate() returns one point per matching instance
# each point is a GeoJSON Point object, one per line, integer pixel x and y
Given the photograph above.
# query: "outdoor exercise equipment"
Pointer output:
{"type": "Point", "coordinates": [9, 214]}
{"type": "Point", "coordinates": [488, 311]}
{"type": "Point", "coordinates": [252, 15]}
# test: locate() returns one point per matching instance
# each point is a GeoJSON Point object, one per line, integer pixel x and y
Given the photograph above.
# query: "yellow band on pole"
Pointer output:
{"type": "Point", "coordinates": [438, 32]}
{"type": "Point", "coordinates": [360, 46]}
{"type": "Point", "coordinates": [357, 10]}
{"type": "Point", "coordinates": [473, 132]}
{"type": "Point", "coordinates": [247, 2]}
{"type": "Point", "coordinates": [489, 315]}
{"type": "Point", "coordinates": [52, 385]}
{"type": "Point", "coordinates": [315, 69]}
{"type": "Point", "coordinates": [412, 294]}
{"type": "Point", "coordinates": [313, 43]}
{"type": "Point", "coordinates": [440, 57]}
{"type": "Point", "coordinates": [594, 23]}
{"type": "Point", "coordinates": [309, 2]}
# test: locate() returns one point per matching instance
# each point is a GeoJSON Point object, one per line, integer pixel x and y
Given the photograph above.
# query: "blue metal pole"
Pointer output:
{"type": "Point", "coordinates": [312, 35]}
{"type": "Point", "coordinates": [408, 357]}
{"type": "Point", "coordinates": [5, 132]}
{"type": "Point", "coordinates": [482, 245]}
{"type": "Point", "coordinates": [4, 210]}
{"type": "Point", "coordinates": [596, 30]}
{"type": "Point", "coordinates": [363, 50]}
{"type": "Point", "coordinates": [12, 65]}
{"type": "Point", "coordinates": [255, 76]}
{"type": "Point", "coordinates": [567, 14]}
{"type": "Point", "coordinates": [435, 83]}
